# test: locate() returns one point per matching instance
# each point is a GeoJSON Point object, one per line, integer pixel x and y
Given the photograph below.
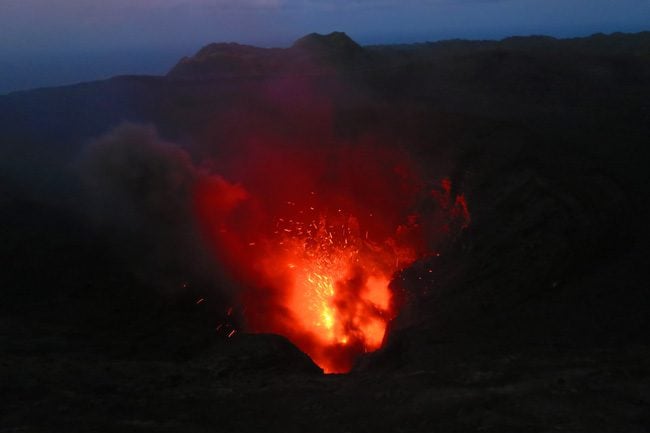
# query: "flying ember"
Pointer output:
{"type": "Point", "coordinates": [338, 285]}
{"type": "Point", "coordinates": [316, 257]}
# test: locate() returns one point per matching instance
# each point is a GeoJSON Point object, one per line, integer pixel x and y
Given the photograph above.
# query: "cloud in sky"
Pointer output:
{"type": "Point", "coordinates": [34, 25]}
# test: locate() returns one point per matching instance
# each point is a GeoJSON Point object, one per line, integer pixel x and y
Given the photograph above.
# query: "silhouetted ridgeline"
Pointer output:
{"type": "Point", "coordinates": [312, 54]}
{"type": "Point", "coordinates": [537, 314]}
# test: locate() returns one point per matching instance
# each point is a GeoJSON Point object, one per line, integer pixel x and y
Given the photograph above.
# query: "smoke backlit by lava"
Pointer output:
{"type": "Point", "coordinates": [315, 237]}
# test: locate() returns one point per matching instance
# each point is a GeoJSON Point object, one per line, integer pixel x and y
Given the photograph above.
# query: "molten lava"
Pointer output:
{"type": "Point", "coordinates": [337, 280]}
{"type": "Point", "coordinates": [315, 247]}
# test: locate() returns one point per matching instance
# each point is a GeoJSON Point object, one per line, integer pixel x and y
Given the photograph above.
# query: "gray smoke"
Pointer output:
{"type": "Point", "coordinates": [139, 193]}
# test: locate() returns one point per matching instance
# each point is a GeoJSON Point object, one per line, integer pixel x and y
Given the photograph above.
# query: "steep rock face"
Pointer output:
{"type": "Point", "coordinates": [555, 258]}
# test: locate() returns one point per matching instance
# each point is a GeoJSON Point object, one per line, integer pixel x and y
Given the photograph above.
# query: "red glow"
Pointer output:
{"type": "Point", "coordinates": [314, 239]}
{"type": "Point", "coordinates": [338, 295]}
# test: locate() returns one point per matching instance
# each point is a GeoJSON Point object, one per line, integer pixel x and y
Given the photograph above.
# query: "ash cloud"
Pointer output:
{"type": "Point", "coordinates": [139, 191]}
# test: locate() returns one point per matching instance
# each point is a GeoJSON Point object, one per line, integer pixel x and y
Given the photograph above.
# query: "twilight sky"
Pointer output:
{"type": "Point", "coordinates": [48, 42]}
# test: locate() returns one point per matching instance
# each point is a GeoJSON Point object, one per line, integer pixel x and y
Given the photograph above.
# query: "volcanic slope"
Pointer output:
{"type": "Point", "coordinates": [534, 318]}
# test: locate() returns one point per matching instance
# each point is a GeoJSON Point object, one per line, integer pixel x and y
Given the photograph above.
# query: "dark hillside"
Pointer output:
{"type": "Point", "coordinates": [534, 318]}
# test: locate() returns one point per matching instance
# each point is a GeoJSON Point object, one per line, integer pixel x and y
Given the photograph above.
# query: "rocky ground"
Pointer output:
{"type": "Point", "coordinates": [56, 379]}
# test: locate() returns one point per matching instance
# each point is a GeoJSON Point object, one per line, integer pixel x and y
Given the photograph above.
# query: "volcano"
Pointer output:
{"type": "Point", "coordinates": [316, 259]}
{"type": "Point", "coordinates": [459, 227]}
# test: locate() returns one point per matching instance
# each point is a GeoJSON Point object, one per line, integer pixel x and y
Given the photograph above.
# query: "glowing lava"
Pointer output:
{"type": "Point", "coordinates": [314, 242]}
{"type": "Point", "coordinates": [339, 295]}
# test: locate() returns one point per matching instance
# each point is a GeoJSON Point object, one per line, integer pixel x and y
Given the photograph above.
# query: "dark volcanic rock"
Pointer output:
{"type": "Point", "coordinates": [334, 43]}
{"type": "Point", "coordinates": [268, 353]}
{"type": "Point", "coordinates": [225, 60]}
{"type": "Point", "coordinates": [312, 54]}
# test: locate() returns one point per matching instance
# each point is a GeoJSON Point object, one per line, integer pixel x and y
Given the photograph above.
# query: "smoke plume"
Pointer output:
{"type": "Point", "coordinates": [139, 191]}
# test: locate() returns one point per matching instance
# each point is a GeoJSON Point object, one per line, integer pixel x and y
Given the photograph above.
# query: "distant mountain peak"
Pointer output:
{"type": "Point", "coordinates": [333, 42]}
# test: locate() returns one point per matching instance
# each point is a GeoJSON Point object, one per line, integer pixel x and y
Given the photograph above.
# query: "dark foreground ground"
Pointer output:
{"type": "Point", "coordinates": [56, 378]}
{"type": "Point", "coordinates": [535, 319]}
{"type": "Point", "coordinates": [77, 388]}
